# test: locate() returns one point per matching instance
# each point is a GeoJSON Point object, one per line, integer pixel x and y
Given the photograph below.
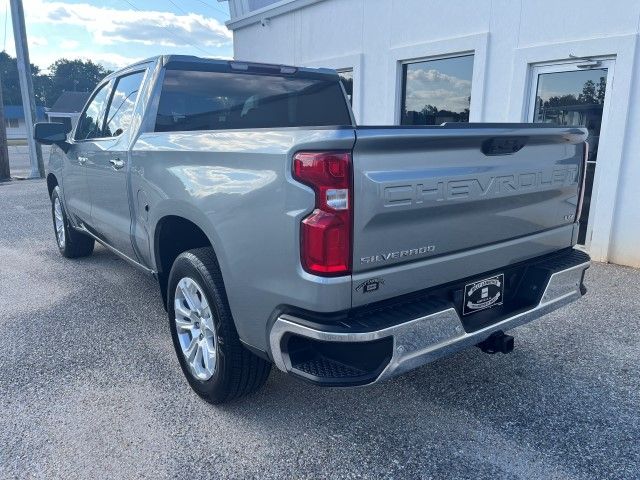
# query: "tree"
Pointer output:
{"type": "Point", "coordinates": [11, 83]}
{"type": "Point", "coordinates": [65, 75]}
{"type": "Point", "coordinates": [73, 76]}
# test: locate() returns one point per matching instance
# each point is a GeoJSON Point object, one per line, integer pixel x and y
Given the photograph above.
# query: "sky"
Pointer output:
{"type": "Point", "coordinates": [116, 33]}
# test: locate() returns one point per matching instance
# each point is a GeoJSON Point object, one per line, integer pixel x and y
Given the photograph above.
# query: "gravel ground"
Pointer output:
{"type": "Point", "coordinates": [90, 387]}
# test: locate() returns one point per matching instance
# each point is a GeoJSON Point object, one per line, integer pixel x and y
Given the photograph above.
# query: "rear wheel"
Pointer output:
{"type": "Point", "coordinates": [71, 243]}
{"type": "Point", "coordinates": [218, 367]}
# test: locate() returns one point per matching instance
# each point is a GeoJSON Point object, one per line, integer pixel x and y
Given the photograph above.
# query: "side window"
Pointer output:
{"type": "Point", "coordinates": [120, 111]}
{"type": "Point", "coordinates": [90, 123]}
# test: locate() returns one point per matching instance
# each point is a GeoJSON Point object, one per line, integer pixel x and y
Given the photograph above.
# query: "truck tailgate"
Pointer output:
{"type": "Point", "coordinates": [423, 196]}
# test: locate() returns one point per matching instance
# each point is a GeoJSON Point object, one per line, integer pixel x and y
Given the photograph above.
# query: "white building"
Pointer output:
{"type": "Point", "coordinates": [428, 61]}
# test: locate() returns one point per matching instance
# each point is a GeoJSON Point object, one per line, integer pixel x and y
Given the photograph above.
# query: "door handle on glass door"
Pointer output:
{"type": "Point", "coordinates": [116, 163]}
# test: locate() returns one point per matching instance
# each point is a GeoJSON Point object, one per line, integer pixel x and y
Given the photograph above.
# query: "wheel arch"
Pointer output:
{"type": "Point", "coordinates": [174, 234]}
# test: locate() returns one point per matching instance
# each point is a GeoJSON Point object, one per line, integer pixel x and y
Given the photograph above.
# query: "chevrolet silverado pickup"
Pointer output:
{"type": "Point", "coordinates": [281, 232]}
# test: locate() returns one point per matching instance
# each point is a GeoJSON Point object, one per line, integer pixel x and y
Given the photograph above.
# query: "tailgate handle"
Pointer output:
{"type": "Point", "coordinates": [503, 145]}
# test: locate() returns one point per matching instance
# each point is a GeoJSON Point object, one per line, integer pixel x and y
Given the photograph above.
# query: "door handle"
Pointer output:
{"type": "Point", "coordinates": [82, 160]}
{"type": "Point", "coordinates": [116, 163]}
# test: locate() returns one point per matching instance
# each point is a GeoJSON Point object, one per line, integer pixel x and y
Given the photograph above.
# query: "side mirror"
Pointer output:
{"type": "Point", "coordinates": [49, 133]}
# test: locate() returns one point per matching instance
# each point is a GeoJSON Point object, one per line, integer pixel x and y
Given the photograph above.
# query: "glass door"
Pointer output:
{"type": "Point", "coordinates": [575, 94]}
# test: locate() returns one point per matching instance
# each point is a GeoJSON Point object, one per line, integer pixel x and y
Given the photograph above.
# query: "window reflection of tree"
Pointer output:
{"type": "Point", "coordinates": [558, 109]}
{"type": "Point", "coordinates": [431, 115]}
{"type": "Point", "coordinates": [90, 125]}
{"type": "Point", "coordinates": [90, 128]}
{"type": "Point", "coordinates": [583, 109]}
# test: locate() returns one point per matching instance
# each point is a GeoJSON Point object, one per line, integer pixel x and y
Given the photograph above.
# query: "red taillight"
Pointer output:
{"type": "Point", "coordinates": [325, 235]}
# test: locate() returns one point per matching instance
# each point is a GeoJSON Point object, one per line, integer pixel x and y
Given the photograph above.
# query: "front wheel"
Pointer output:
{"type": "Point", "coordinates": [218, 367]}
{"type": "Point", "coordinates": [71, 243]}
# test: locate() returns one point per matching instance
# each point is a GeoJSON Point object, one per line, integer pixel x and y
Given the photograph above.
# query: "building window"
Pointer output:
{"type": "Point", "coordinates": [11, 122]}
{"type": "Point", "coordinates": [346, 77]}
{"type": "Point", "coordinates": [436, 91]}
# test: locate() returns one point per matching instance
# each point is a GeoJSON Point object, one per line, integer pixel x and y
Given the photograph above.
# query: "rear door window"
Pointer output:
{"type": "Point", "coordinates": [200, 100]}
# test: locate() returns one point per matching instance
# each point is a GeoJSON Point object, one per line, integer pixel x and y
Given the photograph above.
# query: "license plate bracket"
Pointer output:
{"type": "Point", "coordinates": [483, 294]}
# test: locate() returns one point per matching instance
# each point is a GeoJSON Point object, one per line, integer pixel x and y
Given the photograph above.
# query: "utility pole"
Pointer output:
{"type": "Point", "coordinates": [26, 86]}
{"type": "Point", "coordinates": [5, 172]}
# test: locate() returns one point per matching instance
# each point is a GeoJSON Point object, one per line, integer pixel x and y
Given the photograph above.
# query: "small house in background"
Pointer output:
{"type": "Point", "coordinates": [14, 121]}
{"type": "Point", "coordinates": [68, 107]}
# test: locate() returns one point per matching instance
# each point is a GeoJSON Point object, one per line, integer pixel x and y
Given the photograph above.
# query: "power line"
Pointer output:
{"type": "Point", "coordinates": [179, 8]}
{"type": "Point", "coordinates": [211, 6]}
{"type": "Point", "coordinates": [170, 31]}
{"type": "Point", "coordinates": [203, 3]}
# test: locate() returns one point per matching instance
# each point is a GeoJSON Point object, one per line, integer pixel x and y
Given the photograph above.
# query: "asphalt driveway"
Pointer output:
{"type": "Point", "coordinates": [90, 387]}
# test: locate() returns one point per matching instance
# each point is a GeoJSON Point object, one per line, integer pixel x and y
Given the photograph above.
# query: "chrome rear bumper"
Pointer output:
{"type": "Point", "coordinates": [424, 339]}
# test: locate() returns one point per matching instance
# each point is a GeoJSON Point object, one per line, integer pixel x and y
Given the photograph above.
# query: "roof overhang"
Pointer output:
{"type": "Point", "coordinates": [270, 11]}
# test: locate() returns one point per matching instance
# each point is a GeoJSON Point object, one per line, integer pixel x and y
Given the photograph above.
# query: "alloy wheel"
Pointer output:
{"type": "Point", "coordinates": [58, 222]}
{"type": "Point", "coordinates": [195, 327]}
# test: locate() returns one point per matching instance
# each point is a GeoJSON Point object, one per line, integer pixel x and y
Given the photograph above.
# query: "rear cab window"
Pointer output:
{"type": "Point", "coordinates": [193, 100]}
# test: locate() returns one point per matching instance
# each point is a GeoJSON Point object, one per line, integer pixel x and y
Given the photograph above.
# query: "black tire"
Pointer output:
{"type": "Point", "coordinates": [75, 244]}
{"type": "Point", "coordinates": [238, 372]}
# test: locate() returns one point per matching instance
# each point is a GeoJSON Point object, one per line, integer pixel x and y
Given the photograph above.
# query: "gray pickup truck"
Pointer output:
{"type": "Point", "coordinates": [281, 232]}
